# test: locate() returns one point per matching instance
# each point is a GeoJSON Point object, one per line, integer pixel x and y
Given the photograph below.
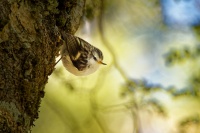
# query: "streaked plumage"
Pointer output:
{"type": "Point", "coordinates": [79, 57]}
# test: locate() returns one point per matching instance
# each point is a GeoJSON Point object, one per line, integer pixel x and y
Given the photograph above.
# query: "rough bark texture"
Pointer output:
{"type": "Point", "coordinates": [29, 44]}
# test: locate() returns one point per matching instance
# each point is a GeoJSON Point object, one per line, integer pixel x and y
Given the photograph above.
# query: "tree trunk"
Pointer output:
{"type": "Point", "coordinates": [29, 44]}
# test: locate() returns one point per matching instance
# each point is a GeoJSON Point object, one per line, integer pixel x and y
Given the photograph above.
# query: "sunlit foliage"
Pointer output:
{"type": "Point", "coordinates": [135, 92]}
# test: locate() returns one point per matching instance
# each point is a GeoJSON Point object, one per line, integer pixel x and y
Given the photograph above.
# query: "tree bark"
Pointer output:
{"type": "Point", "coordinates": [29, 44]}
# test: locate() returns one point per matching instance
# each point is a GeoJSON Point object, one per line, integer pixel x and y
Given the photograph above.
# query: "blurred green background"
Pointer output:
{"type": "Point", "coordinates": [151, 83]}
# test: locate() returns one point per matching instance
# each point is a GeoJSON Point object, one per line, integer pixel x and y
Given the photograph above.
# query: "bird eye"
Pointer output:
{"type": "Point", "coordinates": [94, 58]}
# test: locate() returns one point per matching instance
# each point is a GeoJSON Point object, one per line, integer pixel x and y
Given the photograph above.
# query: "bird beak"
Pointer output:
{"type": "Point", "coordinates": [100, 62]}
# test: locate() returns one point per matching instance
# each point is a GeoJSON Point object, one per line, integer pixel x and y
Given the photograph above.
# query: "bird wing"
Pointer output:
{"type": "Point", "coordinates": [77, 50]}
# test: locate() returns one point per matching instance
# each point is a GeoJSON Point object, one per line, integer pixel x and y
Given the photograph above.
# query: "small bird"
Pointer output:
{"type": "Point", "coordinates": [79, 57]}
